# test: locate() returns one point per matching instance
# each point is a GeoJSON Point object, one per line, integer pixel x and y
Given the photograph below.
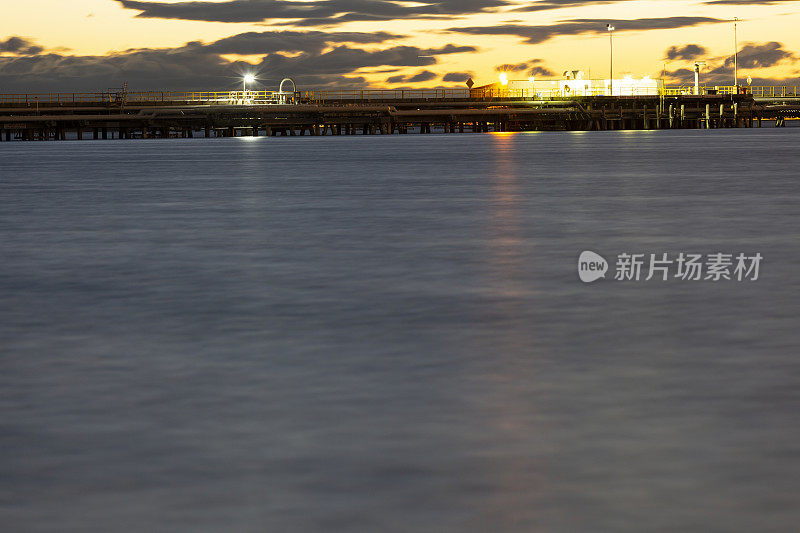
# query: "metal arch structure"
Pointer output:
{"type": "Point", "coordinates": [286, 97]}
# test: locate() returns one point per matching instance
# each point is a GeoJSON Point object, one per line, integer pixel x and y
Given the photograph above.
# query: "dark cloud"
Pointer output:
{"type": "Point", "coordinates": [312, 59]}
{"type": "Point", "coordinates": [343, 59]}
{"type": "Point", "coordinates": [311, 13]}
{"type": "Point", "coordinates": [764, 55]}
{"type": "Point", "coordinates": [457, 77]}
{"type": "Point", "coordinates": [540, 71]}
{"type": "Point", "coordinates": [721, 70]}
{"type": "Point", "coordinates": [539, 34]}
{"type": "Point", "coordinates": [508, 67]}
{"type": "Point", "coordinates": [144, 69]}
{"type": "Point", "coordinates": [425, 75]}
{"type": "Point", "coordinates": [689, 51]}
{"type": "Point", "coordinates": [20, 46]}
{"type": "Point", "coordinates": [545, 5]}
{"type": "Point", "coordinates": [291, 41]}
{"type": "Point", "coordinates": [748, 2]}
{"type": "Point", "coordinates": [517, 67]}
{"type": "Point", "coordinates": [158, 70]}
{"type": "Point", "coordinates": [531, 68]}
{"type": "Point", "coordinates": [449, 49]}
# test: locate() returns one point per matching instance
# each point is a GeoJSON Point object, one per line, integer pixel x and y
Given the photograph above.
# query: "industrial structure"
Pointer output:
{"type": "Point", "coordinates": [574, 83]}
{"type": "Point", "coordinates": [571, 103]}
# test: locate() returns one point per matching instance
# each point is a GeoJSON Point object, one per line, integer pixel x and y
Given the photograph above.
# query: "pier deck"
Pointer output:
{"type": "Point", "coordinates": [188, 114]}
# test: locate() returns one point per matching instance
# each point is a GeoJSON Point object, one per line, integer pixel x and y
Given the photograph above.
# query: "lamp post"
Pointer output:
{"type": "Point", "coordinates": [610, 29]}
{"type": "Point", "coordinates": [735, 56]}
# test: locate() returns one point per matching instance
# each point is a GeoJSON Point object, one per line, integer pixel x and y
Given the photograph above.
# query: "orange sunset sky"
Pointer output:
{"type": "Point", "coordinates": [51, 45]}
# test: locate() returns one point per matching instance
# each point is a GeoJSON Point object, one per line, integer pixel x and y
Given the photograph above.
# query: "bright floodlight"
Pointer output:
{"type": "Point", "coordinates": [609, 27]}
{"type": "Point", "coordinates": [503, 78]}
{"type": "Point", "coordinates": [248, 78]}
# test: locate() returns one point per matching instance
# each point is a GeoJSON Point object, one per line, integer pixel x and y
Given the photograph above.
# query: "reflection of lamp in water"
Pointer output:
{"type": "Point", "coordinates": [248, 78]}
{"type": "Point", "coordinates": [503, 78]}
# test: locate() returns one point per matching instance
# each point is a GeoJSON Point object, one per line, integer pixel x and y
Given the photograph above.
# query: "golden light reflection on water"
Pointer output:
{"type": "Point", "coordinates": [505, 225]}
{"type": "Point", "coordinates": [506, 405]}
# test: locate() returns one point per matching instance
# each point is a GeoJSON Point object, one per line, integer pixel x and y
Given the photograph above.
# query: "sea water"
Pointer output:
{"type": "Point", "coordinates": [388, 333]}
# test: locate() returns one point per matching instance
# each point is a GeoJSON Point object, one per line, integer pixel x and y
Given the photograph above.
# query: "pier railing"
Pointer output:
{"type": "Point", "coordinates": [234, 97]}
{"type": "Point", "coordinates": [385, 94]}
{"type": "Point", "coordinates": [567, 92]}
{"type": "Point", "coordinates": [220, 97]}
{"type": "Point", "coordinates": [758, 91]}
{"type": "Point", "coordinates": [373, 95]}
{"type": "Point", "coordinates": [761, 91]}
{"type": "Point", "coordinates": [147, 97]}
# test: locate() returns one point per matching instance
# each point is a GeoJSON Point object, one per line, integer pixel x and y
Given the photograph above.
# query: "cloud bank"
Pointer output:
{"type": "Point", "coordinates": [311, 13]}
{"type": "Point", "coordinates": [313, 59]}
{"type": "Point", "coordinates": [540, 34]}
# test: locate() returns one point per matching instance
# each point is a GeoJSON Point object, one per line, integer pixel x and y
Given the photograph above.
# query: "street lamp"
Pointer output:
{"type": "Point", "coordinates": [248, 78]}
{"type": "Point", "coordinates": [610, 29]}
{"type": "Point", "coordinates": [735, 56]}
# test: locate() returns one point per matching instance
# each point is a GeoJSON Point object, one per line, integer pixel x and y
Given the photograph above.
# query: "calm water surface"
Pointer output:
{"type": "Point", "coordinates": [388, 334]}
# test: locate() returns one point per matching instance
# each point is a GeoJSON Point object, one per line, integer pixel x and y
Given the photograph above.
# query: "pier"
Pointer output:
{"type": "Point", "coordinates": [147, 115]}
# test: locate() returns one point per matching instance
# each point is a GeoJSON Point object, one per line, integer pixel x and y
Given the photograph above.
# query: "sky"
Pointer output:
{"type": "Point", "coordinates": [95, 45]}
